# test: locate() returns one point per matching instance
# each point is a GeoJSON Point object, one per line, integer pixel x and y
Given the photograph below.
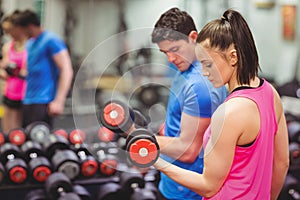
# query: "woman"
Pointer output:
{"type": "Point", "coordinates": [246, 145]}
{"type": "Point", "coordinates": [14, 73]}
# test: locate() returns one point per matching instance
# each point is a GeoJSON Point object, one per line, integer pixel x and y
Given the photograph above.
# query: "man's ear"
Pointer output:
{"type": "Point", "coordinates": [233, 59]}
{"type": "Point", "coordinates": [193, 36]}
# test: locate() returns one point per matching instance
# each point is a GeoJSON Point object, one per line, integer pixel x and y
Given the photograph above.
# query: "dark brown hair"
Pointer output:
{"type": "Point", "coordinates": [232, 28]}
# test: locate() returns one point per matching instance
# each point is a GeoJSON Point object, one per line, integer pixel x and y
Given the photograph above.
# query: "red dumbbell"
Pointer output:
{"type": "Point", "coordinates": [142, 147]}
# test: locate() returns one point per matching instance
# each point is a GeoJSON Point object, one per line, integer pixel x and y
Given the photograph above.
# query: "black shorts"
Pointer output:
{"type": "Point", "coordinates": [12, 103]}
{"type": "Point", "coordinates": [36, 112]}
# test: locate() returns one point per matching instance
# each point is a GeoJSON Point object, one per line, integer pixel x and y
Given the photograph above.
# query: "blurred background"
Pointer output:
{"type": "Point", "coordinates": [113, 57]}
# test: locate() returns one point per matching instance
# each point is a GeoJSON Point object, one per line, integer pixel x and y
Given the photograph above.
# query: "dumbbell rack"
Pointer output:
{"type": "Point", "coordinates": [19, 191]}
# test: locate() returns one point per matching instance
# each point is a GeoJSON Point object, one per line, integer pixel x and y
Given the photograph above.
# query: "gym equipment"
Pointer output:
{"type": "Point", "coordinates": [110, 191]}
{"type": "Point", "coordinates": [15, 166]}
{"type": "Point", "coordinates": [142, 147]}
{"type": "Point", "coordinates": [82, 192]}
{"type": "Point", "coordinates": [119, 117]}
{"type": "Point", "coordinates": [37, 194]}
{"type": "Point", "coordinates": [38, 131]}
{"type": "Point", "coordinates": [39, 166]}
{"type": "Point", "coordinates": [106, 135]}
{"type": "Point", "coordinates": [2, 173]}
{"type": "Point", "coordinates": [294, 131]}
{"type": "Point", "coordinates": [108, 162]}
{"type": "Point", "coordinates": [77, 136]}
{"type": "Point", "coordinates": [131, 179]}
{"type": "Point", "coordinates": [62, 158]}
{"type": "Point", "coordinates": [12, 69]}
{"type": "Point", "coordinates": [294, 148]}
{"type": "Point", "coordinates": [290, 189]}
{"type": "Point", "coordinates": [59, 186]}
{"type": "Point", "coordinates": [88, 164]}
{"type": "Point", "coordinates": [142, 194]}
{"type": "Point", "coordinates": [149, 95]}
{"type": "Point", "coordinates": [61, 132]}
{"type": "Point", "coordinates": [2, 138]}
{"type": "Point", "coordinates": [16, 136]}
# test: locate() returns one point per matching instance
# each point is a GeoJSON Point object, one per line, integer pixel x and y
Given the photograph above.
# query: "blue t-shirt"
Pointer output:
{"type": "Point", "coordinates": [43, 74]}
{"type": "Point", "coordinates": [194, 95]}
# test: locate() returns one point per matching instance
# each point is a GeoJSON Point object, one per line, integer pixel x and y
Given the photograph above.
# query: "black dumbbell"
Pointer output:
{"type": "Point", "coordinates": [39, 166]}
{"type": "Point", "coordinates": [120, 117]}
{"type": "Point", "coordinates": [16, 136]}
{"type": "Point", "coordinates": [142, 194]}
{"type": "Point", "coordinates": [88, 164]}
{"type": "Point", "coordinates": [37, 194]}
{"type": "Point", "coordinates": [82, 192]}
{"type": "Point", "coordinates": [63, 159]}
{"type": "Point", "coordinates": [2, 173]}
{"type": "Point", "coordinates": [142, 148]}
{"type": "Point", "coordinates": [12, 69]}
{"type": "Point", "coordinates": [59, 186]}
{"type": "Point", "coordinates": [110, 191]}
{"type": "Point", "coordinates": [149, 95]}
{"type": "Point", "coordinates": [131, 179]}
{"type": "Point", "coordinates": [15, 166]}
{"type": "Point", "coordinates": [38, 131]}
{"type": "Point", "coordinates": [294, 131]}
{"type": "Point", "coordinates": [290, 189]}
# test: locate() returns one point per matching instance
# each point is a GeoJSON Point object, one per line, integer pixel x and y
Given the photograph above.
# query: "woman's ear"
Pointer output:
{"type": "Point", "coordinates": [193, 36]}
{"type": "Point", "coordinates": [233, 59]}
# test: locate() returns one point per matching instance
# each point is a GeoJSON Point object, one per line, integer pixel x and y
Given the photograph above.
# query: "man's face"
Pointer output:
{"type": "Point", "coordinates": [180, 52]}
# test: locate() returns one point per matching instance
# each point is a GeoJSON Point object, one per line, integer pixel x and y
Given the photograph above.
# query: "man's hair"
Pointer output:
{"type": "Point", "coordinates": [27, 17]}
{"type": "Point", "coordinates": [174, 24]}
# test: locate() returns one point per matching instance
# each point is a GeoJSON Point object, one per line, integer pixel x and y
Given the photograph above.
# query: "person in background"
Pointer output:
{"type": "Point", "coordinates": [192, 100]}
{"type": "Point", "coordinates": [49, 69]}
{"type": "Point", "coordinates": [13, 71]}
{"type": "Point", "coordinates": [246, 145]}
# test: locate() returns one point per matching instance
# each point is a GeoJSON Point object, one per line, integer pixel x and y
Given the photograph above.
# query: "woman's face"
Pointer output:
{"type": "Point", "coordinates": [15, 32]}
{"type": "Point", "coordinates": [215, 65]}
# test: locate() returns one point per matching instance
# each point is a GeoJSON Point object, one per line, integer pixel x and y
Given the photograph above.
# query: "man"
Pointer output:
{"type": "Point", "coordinates": [50, 72]}
{"type": "Point", "coordinates": [192, 100]}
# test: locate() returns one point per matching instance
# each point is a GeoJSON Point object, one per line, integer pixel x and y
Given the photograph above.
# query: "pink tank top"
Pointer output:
{"type": "Point", "coordinates": [15, 87]}
{"type": "Point", "coordinates": [251, 171]}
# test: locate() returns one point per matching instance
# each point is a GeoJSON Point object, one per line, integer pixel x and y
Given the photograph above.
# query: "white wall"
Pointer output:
{"type": "Point", "coordinates": [97, 23]}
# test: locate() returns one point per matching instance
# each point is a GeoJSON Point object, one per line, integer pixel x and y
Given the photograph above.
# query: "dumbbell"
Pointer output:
{"type": "Point", "coordinates": [110, 191]}
{"type": "Point", "coordinates": [82, 192]}
{"type": "Point", "coordinates": [142, 148]}
{"type": "Point", "coordinates": [88, 164]}
{"type": "Point", "coordinates": [39, 166]}
{"type": "Point", "coordinates": [294, 131]}
{"type": "Point", "coordinates": [38, 131]}
{"type": "Point", "coordinates": [77, 136]}
{"type": "Point", "coordinates": [16, 136]}
{"type": "Point", "coordinates": [131, 179]}
{"type": "Point", "coordinates": [106, 135]}
{"type": "Point", "coordinates": [63, 159]}
{"type": "Point", "coordinates": [2, 173]}
{"type": "Point", "coordinates": [2, 138]}
{"type": "Point", "coordinates": [108, 160]}
{"type": "Point", "coordinates": [290, 189]}
{"type": "Point", "coordinates": [59, 186]}
{"type": "Point", "coordinates": [294, 149]}
{"type": "Point", "coordinates": [15, 166]}
{"type": "Point", "coordinates": [37, 194]}
{"type": "Point", "coordinates": [119, 117]}
{"type": "Point", "coordinates": [61, 132]}
{"type": "Point", "coordinates": [12, 69]}
{"type": "Point", "coordinates": [142, 194]}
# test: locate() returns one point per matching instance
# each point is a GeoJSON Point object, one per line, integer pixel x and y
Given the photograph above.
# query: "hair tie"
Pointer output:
{"type": "Point", "coordinates": [224, 18]}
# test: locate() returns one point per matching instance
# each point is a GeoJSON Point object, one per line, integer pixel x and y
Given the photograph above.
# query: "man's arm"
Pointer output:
{"type": "Point", "coordinates": [63, 62]}
{"type": "Point", "coordinates": [187, 146]}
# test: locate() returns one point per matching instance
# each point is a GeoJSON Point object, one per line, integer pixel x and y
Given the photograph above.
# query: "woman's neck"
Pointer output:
{"type": "Point", "coordinates": [234, 84]}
